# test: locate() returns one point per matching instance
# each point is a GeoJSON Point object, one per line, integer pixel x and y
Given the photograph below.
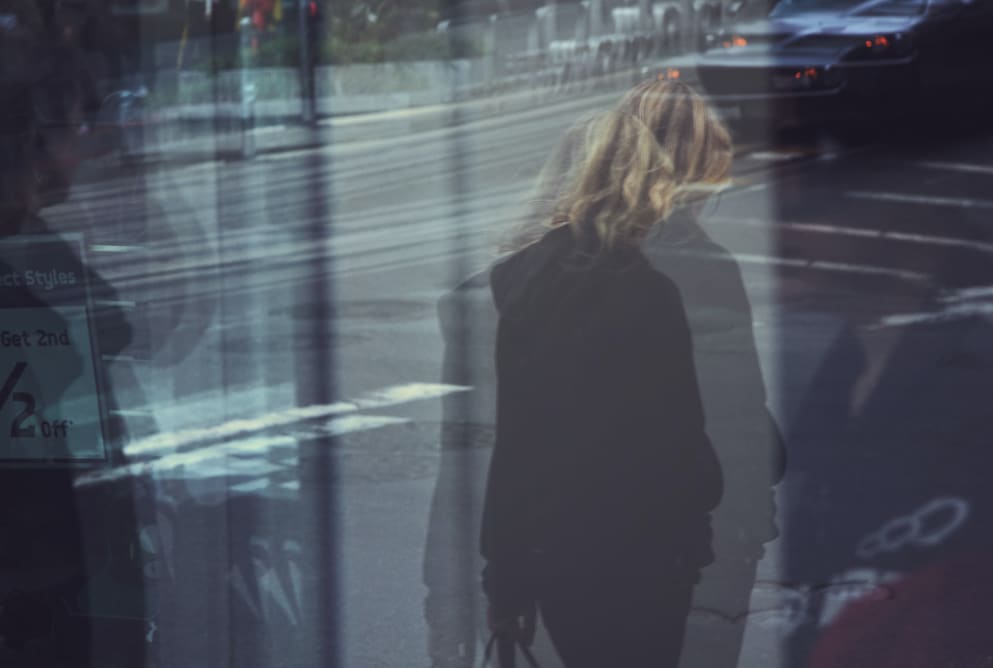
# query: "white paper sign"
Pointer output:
{"type": "Point", "coordinates": [50, 403]}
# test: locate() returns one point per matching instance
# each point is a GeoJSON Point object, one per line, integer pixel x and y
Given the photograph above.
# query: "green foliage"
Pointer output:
{"type": "Point", "coordinates": [354, 32]}
{"type": "Point", "coordinates": [380, 21]}
{"type": "Point", "coordinates": [387, 30]}
{"type": "Point", "coordinates": [431, 46]}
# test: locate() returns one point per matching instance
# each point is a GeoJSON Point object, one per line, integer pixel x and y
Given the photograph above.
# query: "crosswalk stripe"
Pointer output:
{"type": "Point", "coordinates": [776, 156]}
{"type": "Point", "coordinates": [384, 398]}
{"type": "Point", "coordinates": [903, 198]}
{"type": "Point", "coordinates": [176, 461]}
{"type": "Point", "coordinates": [841, 267]}
{"type": "Point", "coordinates": [946, 314]}
{"type": "Point", "coordinates": [115, 248]}
{"type": "Point", "coordinates": [824, 228]}
{"type": "Point", "coordinates": [967, 168]}
{"type": "Point", "coordinates": [244, 457]}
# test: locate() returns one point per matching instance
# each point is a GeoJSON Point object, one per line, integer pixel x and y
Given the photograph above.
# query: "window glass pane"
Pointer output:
{"type": "Point", "coordinates": [367, 333]}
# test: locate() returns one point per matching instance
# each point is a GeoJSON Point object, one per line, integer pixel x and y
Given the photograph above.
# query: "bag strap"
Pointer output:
{"type": "Point", "coordinates": [495, 639]}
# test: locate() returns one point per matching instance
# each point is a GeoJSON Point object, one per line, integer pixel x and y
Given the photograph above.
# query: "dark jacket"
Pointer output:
{"type": "Point", "coordinates": [740, 426]}
{"type": "Point", "coordinates": [601, 461]}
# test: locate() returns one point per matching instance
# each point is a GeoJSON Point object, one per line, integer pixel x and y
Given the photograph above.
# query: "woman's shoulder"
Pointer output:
{"type": "Point", "coordinates": [647, 285]}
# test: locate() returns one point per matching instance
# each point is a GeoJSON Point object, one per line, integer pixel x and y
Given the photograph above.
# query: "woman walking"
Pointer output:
{"type": "Point", "coordinates": [602, 477]}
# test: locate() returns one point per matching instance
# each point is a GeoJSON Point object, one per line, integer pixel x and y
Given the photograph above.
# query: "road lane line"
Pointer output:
{"type": "Point", "coordinates": [747, 190]}
{"type": "Point", "coordinates": [777, 156]}
{"type": "Point", "coordinates": [383, 398]}
{"type": "Point", "coordinates": [841, 267]}
{"type": "Point", "coordinates": [115, 248]}
{"type": "Point", "coordinates": [902, 198]}
{"type": "Point", "coordinates": [820, 228]}
{"type": "Point", "coordinates": [846, 267]}
{"type": "Point", "coordinates": [252, 486]}
{"type": "Point", "coordinates": [268, 129]}
{"type": "Point", "coordinates": [823, 228]}
{"type": "Point", "coordinates": [245, 457]}
{"type": "Point", "coordinates": [810, 263]}
{"type": "Point", "coordinates": [966, 294]}
{"type": "Point", "coordinates": [176, 460]}
{"type": "Point", "coordinates": [964, 167]}
{"type": "Point", "coordinates": [947, 314]}
{"type": "Point", "coordinates": [940, 241]}
{"type": "Point", "coordinates": [116, 303]}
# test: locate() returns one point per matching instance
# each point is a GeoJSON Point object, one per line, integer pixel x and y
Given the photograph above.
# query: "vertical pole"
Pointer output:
{"type": "Point", "coordinates": [596, 18]}
{"type": "Point", "coordinates": [247, 89]}
{"type": "Point", "coordinates": [490, 65]}
{"type": "Point", "coordinates": [461, 497]}
{"type": "Point", "coordinates": [315, 377]}
{"type": "Point", "coordinates": [309, 101]}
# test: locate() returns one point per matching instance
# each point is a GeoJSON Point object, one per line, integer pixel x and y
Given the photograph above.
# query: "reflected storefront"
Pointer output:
{"type": "Point", "coordinates": [285, 286]}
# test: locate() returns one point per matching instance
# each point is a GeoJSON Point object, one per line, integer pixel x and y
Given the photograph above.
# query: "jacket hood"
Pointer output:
{"type": "Point", "coordinates": [553, 268]}
{"type": "Point", "coordinates": [515, 280]}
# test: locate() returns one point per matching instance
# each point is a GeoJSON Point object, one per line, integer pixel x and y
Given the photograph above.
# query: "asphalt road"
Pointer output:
{"type": "Point", "coordinates": [311, 277]}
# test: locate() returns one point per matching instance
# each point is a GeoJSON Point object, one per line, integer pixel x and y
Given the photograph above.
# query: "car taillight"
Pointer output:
{"type": "Point", "coordinates": [881, 46]}
{"type": "Point", "coordinates": [723, 41]}
{"type": "Point", "coordinates": [806, 79]}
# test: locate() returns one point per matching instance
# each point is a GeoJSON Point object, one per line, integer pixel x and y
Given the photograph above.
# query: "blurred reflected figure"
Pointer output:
{"type": "Point", "coordinates": [745, 436]}
{"type": "Point", "coordinates": [602, 477]}
{"type": "Point", "coordinates": [740, 426]}
{"type": "Point", "coordinates": [454, 609]}
{"type": "Point", "coordinates": [71, 582]}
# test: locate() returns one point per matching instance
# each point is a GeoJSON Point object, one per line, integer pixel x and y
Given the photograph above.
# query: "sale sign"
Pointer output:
{"type": "Point", "coordinates": [50, 401]}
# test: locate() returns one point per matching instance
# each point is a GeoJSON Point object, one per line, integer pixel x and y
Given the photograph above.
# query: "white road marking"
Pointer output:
{"type": "Point", "coordinates": [165, 467]}
{"type": "Point", "coordinates": [949, 313]}
{"type": "Point", "coordinates": [822, 228]}
{"type": "Point", "coordinates": [252, 486]}
{"type": "Point", "coordinates": [171, 441]}
{"type": "Point", "coordinates": [912, 276]}
{"type": "Point", "coordinates": [958, 304]}
{"type": "Point", "coordinates": [842, 267]}
{"type": "Point", "coordinates": [269, 129]}
{"type": "Point", "coordinates": [903, 198]}
{"type": "Point", "coordinates": [956, 167]}
{"type": "Point", "coordinates": [386, 397]}
{"type": "Point", "coordinates": [119, 303]}
{"type": "Point", "coordinates": [399, 394]}
{"type": "Point", "coordinates": [747, 190]}
{"type": "Point", "coordinates": [965, 294]}
{"type": "Point", "coordinates": [239, 458]}
{"type": "Point", "coordinates": [115, 248]}
{"type": "Point", "coordinates": [126, 359]}
{"type": "Point", "coordinates": [353, 423]}
{"type": "Point", "coordinates": [776, 156]}
{"type": "Point", "coordinates": [821, 265]}
{"type": "Point", "coordinates": [940, 241]}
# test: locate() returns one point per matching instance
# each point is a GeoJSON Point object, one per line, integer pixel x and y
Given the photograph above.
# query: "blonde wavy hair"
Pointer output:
{"type": "Point", "coordinates": [618, 174]}
{"type": "Point", "coordinates": [696, 140]}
